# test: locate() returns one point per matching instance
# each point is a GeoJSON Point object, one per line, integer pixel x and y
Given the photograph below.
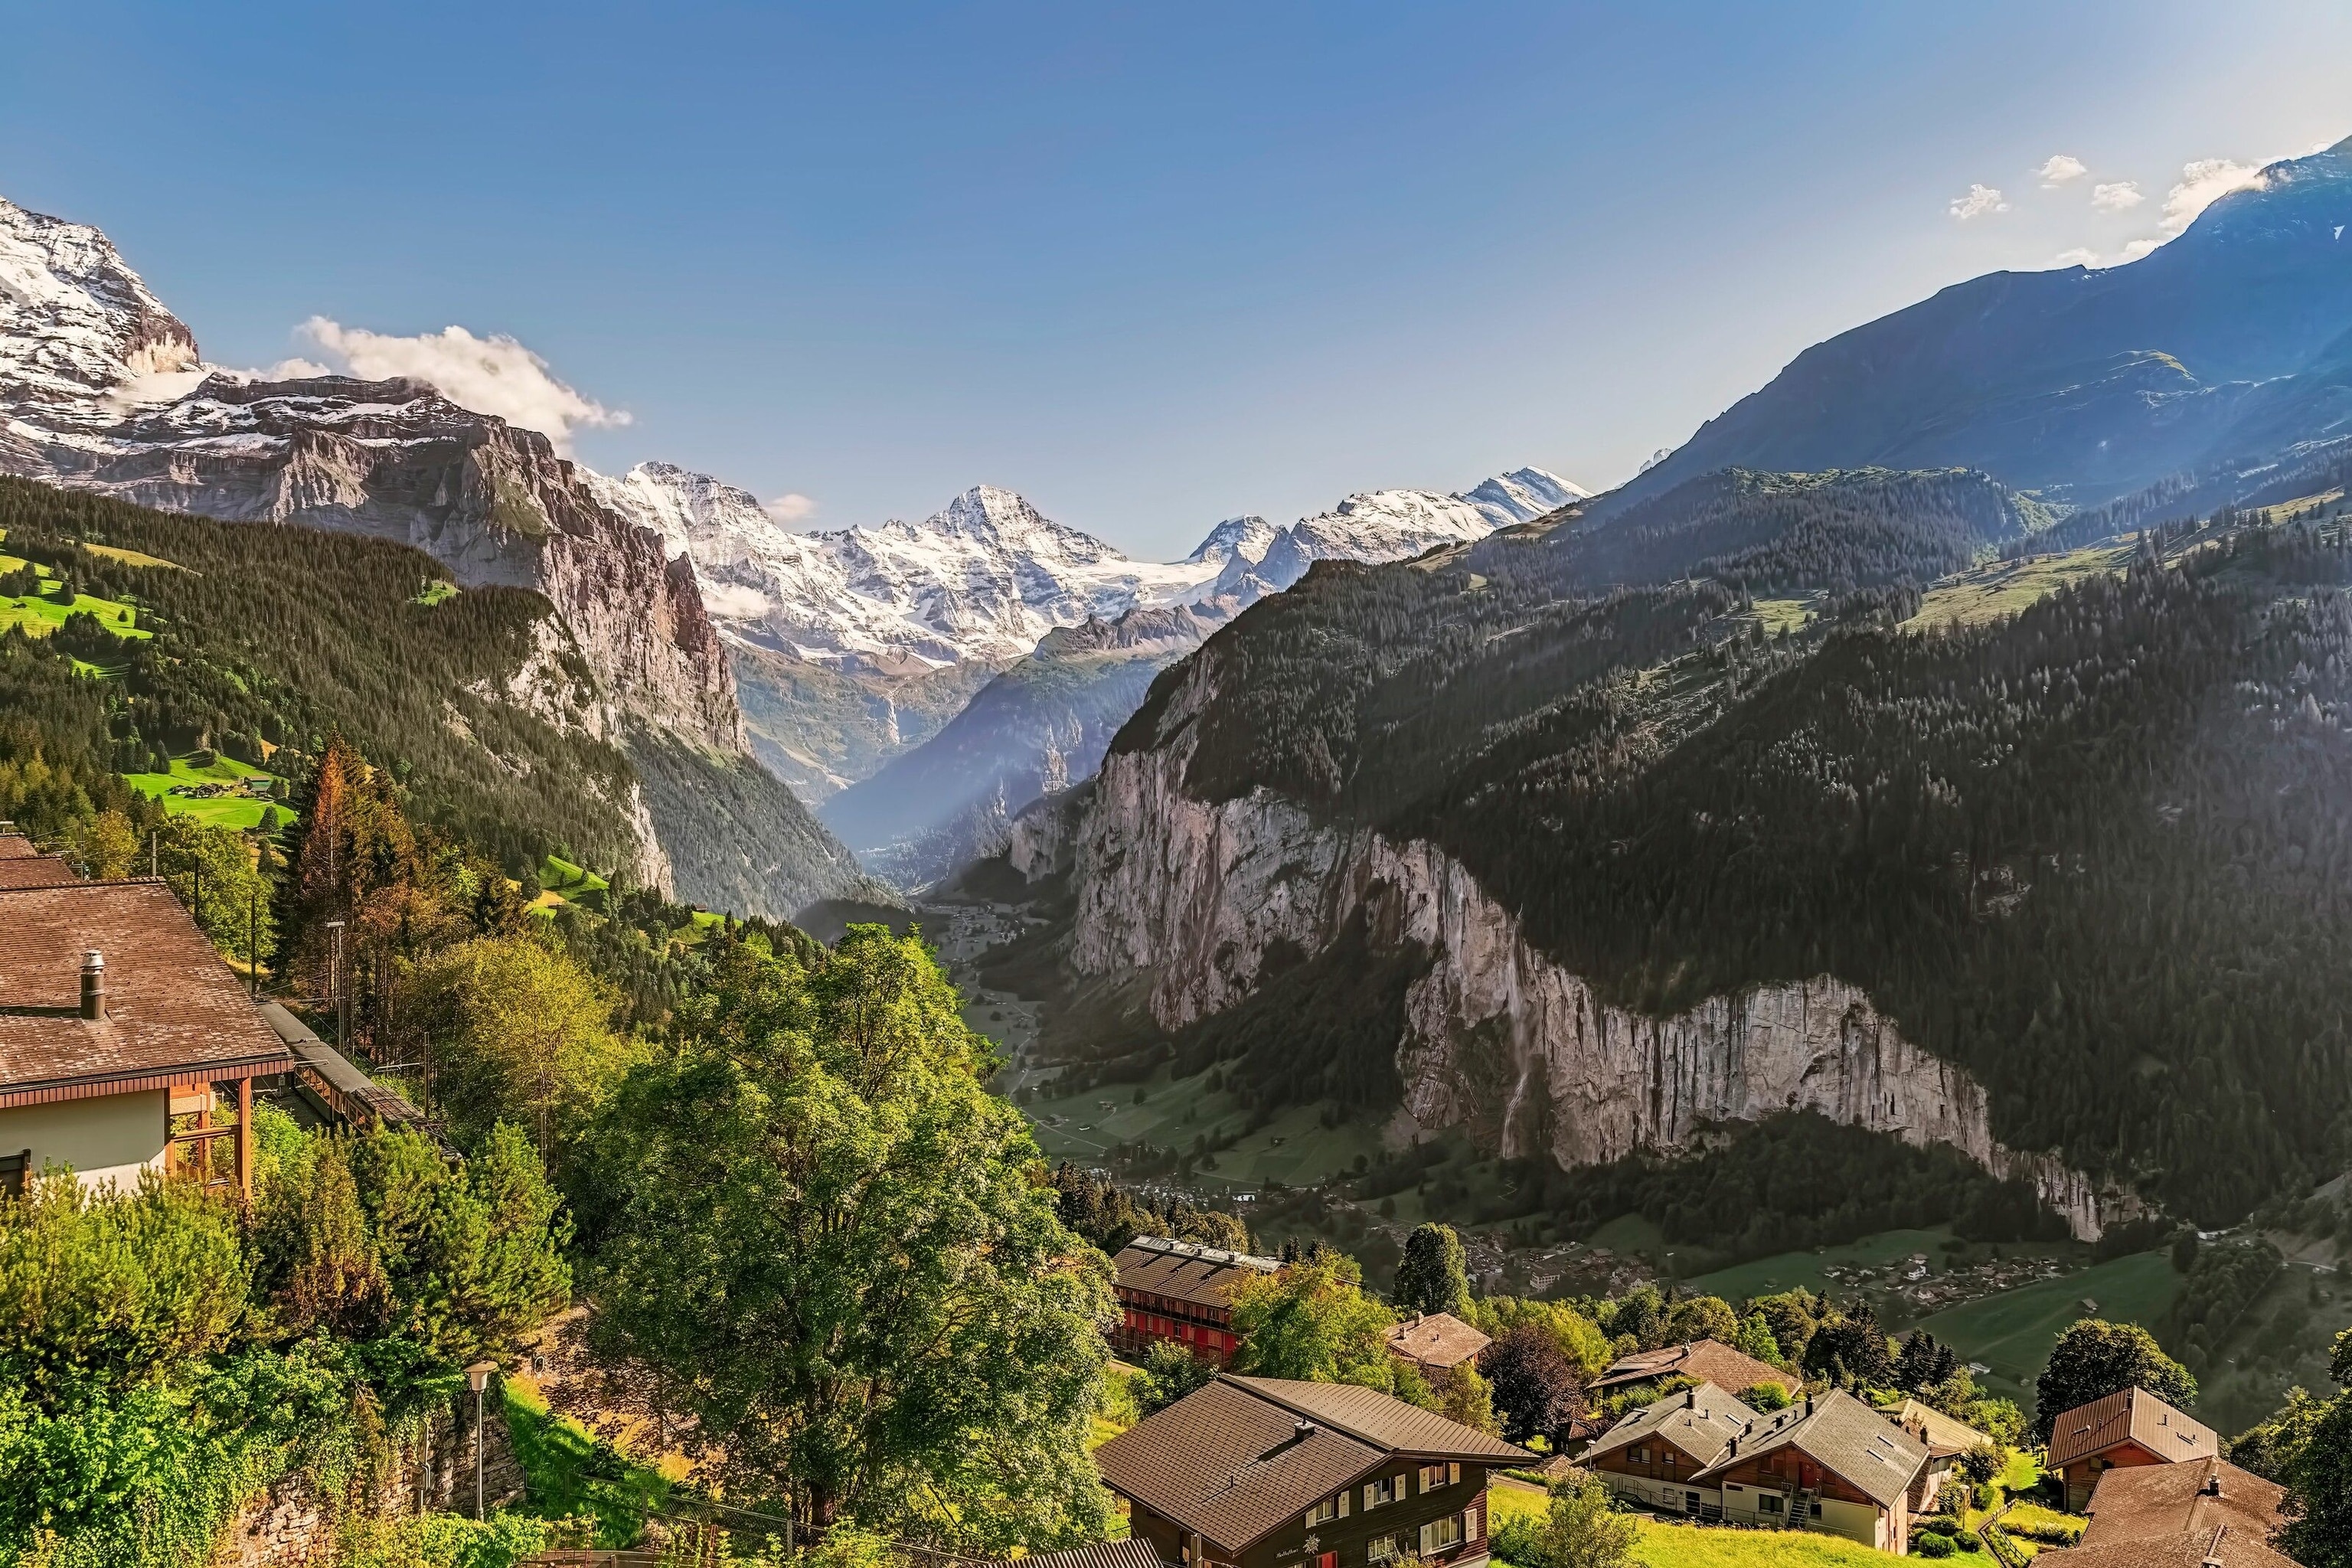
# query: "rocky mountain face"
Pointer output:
{"type": "Point", "coordinates": [1500, 1039]}
{"type": "Point", "coordinates": [2088, 384]}
{"type": "Point", "coordinates": [101, 388]}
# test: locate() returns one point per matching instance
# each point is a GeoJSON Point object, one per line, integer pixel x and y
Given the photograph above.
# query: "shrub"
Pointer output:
{"type": "Point", "coordinates": [1933, 1546]}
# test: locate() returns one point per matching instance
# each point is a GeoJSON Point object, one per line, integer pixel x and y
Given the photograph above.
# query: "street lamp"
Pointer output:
{"type": "Point", "coordinates": [477, 1378]}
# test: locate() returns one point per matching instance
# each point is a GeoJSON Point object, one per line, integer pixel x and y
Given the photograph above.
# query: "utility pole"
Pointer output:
{"type": "Point", "coordinates": [253, 944]}
{"type": "Point", "coordinates": [335, 982]}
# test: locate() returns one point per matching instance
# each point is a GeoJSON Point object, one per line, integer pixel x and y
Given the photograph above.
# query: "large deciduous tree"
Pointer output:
{"type": "Point", "coordinates": [1435, 1274]}
{"type": "Point", "coordinates": [2095, 1359]}
{"type": "Point", "coordinates": [820, 1236]}
{"type": "Point", "coordinates": [1537, 1389]}
{"type": "Point", "coordinates": [1313, 1322]}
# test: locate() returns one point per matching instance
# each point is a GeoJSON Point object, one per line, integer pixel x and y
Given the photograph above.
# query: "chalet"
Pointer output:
{"type": "Point", "coordinates": [2192, 1513]}
{"type": "Point", "coordinates": [1180, 1292]}
{"type": "Point", "coordinates": [1654, 1454]}
{"type": "Point", "coordinates": [1253, 1472]}
{"type": "Point", "coordinates": [1707, 1361]}
{"type": "Point", "coordinates": [23, 865]}
{"type": "Point", "coordinates": [1436, 1343]}
{"type": "Point", "coordinates": [123, 1037]}
{"type": "Point", "coordinates": [1831, 1464]}
{"type": "Point", "coordinates": [1947, 1437]}
{"type": "Point", "coordinates": [2124, 1430]}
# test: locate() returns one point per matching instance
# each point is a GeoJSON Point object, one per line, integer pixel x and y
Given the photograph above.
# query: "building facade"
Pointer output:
{"type": "Point", "coordinates": [1268, 1473]}
{"type": "Point", "coordinates": [1179, 1292]}
{"type": "Point", "coordinates": [2123, 1431]}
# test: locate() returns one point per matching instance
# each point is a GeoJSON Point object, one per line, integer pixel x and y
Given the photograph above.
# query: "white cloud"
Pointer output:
{"type": "Point", "coordinates": [2139, 247]}
{"type": "Point", "coordinates": [733, 602]}
{"type": "Point", "coordinates": [2078, 257]}
{"type": "Point", "coordinates": [1980, 200]}
{"type": "Point", "coordinates": [2059, 170]}
{"type": "Point", "coordinates": [791, 508]}
{"type": "Point", "coordinates": [2121, 197]}
{"type": "Point", "coordinates": [494, 376]}
{"type": "Point", "coordinates": [2202, 184]}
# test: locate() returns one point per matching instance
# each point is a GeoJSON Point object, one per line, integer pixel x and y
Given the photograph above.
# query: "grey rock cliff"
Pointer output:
{"type": "Point", "coordinates": [1500, 1039]}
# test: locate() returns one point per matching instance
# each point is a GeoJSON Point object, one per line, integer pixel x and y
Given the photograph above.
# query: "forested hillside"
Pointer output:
{"type": "Point", "coordinates": [2094, 854]}
{"type": "Point", "coordinates": [260, 647]}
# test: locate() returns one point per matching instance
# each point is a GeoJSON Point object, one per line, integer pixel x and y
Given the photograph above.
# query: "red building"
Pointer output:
{"type": "Point", "coordinates": [1180, 1292]}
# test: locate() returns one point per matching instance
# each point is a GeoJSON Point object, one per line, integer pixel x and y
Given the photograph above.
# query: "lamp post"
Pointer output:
{"type": "Point", "coordinates": [477, 1378]}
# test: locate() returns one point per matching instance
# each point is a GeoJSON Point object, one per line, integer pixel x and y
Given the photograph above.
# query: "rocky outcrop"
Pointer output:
{"type": "Point", "coordinates": [1499, 1039]}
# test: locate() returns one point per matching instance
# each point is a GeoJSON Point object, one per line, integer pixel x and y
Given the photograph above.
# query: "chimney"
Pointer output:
{"type": "Point", "coordinates": [93, 984]}
{"type": "Point", "coordinates": [2213, 1484]}
{"type": "Point", "coordinates": [1690, 1398]}
{"type": "Point", "coordinates": [1809, 1404]}
{"type": "Point", "coordinates": [1302, 1430]}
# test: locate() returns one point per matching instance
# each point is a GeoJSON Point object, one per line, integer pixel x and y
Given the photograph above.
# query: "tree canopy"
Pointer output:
{"type": "Point", "coordinates": [2096, 1358]}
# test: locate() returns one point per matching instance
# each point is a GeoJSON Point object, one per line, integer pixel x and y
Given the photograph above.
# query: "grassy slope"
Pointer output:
{"type": "Point", "coordinates": [1808, 1270]}
{"type": "Point", "coordinates": [1295, 1148]}
{"type": "Point", "coordinates": [239, 812]}
{"type": "Point", "coordinates": [2005, 588]}
{"type": "Point", "coordinates": [2012, 1333]}
{"type": "Point", "coordinates": [567, 1472]}
{"type": "Point", "coordinates": [1663, 1545]}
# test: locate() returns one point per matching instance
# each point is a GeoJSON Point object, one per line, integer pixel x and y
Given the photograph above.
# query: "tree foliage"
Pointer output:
{"type": "Point", "coordinates": [1538, 1391]}
{"type": "Point", "coordinates": [1433, 1275]}
{"type": "Point", "coordinates": [2095, 1358]}
{"type": "Point", "coordinates": [911, 1337]}
{"type": "Point", "coordinates": [1312, 1321]}
{"type": "Point", "coordinates": [1580, 1528]}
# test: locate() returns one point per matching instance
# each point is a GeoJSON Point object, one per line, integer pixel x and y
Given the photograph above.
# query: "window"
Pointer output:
{"type": "Point", "coordinates": [1323, 1512]}
{"type": "Point", "coordinates": [1440, 1534]}
{"type": "Point", "coordinates": [1380, 1549]}
{"type": "Point", "coordinates": [1769, 1502]}
{"type": "Point", "coordinates": [1432, 1477]}
{"type": "Point", "coordinates": [1388, 1488]}
{"type": "Point", "coordinates": [1470, 1522]}
{"type": "Point", "coordinates": [1641, 1456]}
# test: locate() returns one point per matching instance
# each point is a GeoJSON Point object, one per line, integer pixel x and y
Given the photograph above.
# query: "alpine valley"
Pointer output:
{"type": "Point", "coordinates": [1945, 748]}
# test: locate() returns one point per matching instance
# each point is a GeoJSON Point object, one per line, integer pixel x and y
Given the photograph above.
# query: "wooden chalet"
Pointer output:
{"type": "Point", "coordinates": [2123, 1431]}
{"type": "Point", "coordinates": [1654, 1454]}
{"type": "Point", "coordinates": [1829, 1463]}
{"type": "Point", "coordinates": [1180, 1292]}
{"type": "Point", "coordinates": [2185, 1515]}
{"type": "Point", "coordinates": [1947, 1436]}
{"type": "Point", "coordinates": [123, 1037]}
{"type": "Point", "coordinates": [1436, 1343]}
{"type": "Point", "coordinates": [1251, 1472]}
{"type": "Point", "coordinates": [1708, 1361]}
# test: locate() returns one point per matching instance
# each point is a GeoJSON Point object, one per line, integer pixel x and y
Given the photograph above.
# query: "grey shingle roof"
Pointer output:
{"type": "Point", "coordinates": [1839, 1433]}
{"type": "Point", "coordinates": [1184, 1271]}
{"type": "Point", "coordinates": [1700, 1421]}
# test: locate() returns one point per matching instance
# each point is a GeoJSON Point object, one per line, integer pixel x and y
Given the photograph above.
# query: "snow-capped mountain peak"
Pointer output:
{"type": "Point", "coordinates": [1522, 495]}
{"type": "Point", "coordinates": [76, 321]}
{"type": "Point", "coordinates": [1242, 538]}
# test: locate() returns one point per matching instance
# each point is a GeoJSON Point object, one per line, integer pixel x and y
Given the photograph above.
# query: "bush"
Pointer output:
{"type": "Point", "coordinates": [1932, 1546]}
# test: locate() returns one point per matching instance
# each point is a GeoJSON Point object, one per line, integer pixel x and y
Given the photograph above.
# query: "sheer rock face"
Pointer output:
{"type": "Point", "coordinates": [1499, 1039]}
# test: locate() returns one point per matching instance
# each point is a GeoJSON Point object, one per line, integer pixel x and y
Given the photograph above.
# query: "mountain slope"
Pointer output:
{"type": "Point", "coordinates": [102, 389]}
{"type": "Point", "coordinates": [2085, 384]}
{"type": "Point", "coordinates": [1986, 887]}
{"type": "Point", "coordinates": [1039, 727]}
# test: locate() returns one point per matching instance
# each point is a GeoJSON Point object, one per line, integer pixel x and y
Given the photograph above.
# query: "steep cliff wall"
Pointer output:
{"type": "Point", "coordinates": [1500, 1039]}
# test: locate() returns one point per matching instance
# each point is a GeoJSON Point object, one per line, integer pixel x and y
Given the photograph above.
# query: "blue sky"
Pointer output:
{"type": "Point", "coordinates": [1149, 265]}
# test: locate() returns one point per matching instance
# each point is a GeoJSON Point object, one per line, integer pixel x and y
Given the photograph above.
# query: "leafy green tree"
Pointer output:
{"type": "Point", "coordinates": [1851, 1350]}
{"type": "Point", "coordinates": [1791, 1316]}
{"type": "Point", "coordinates": [910, 1339]}
{"type": "Point", "coordinates": [2317, 1474]}
{"type": "Point", "coordinates": [1703, 1318]}
{"type": "Point", "coordinates": [1169, 1373]}
{"type": "Point", "coordinates": [1580, 1529]}
{"type": "Point", "coordinates": [1467, 1397]}
{"type": "Point", "coordinates": [1435, 1274]}
{"type": "Point", "coordinates": [1313, 1322]}
{"type": "Point", "coordinates": [520, 1033]}
{"type": "Point", "coordinates": [2268, 1447]}
{"type": "Point", "coordinates": [213, 874]}
{"type": "Point", "coordinates": [2096, 1358]}
{"type": "Point", "coordinates": [1756, 1339]}
{"type": "Point", "coordinates": [1579, 1339]}
{"type": "Point", "coordinates": [1766, 1396]}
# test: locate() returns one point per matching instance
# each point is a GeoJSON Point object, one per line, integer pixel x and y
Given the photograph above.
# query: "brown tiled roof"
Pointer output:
{"type": "Point", "coordinates": [1135, 1552]}
{"type": "Point", "coordinates": [2156, 1502]}
{"type": "Point", "coordinates": [1438, 1339]}
{"type": "Point", "coordinates": [2133, 1414]}
{"type": "Point", "coordinates": [1240, 1457]}
{"type": "Point", "coordinates": [1383, 1420]}
{"type": "Point", "coordinates": [1700, 1421]}
{"type": "Point", "coordinates": [2162, 1516]}
{"type": "Point", "coordinates": [1709, 1361]}
{"type": "Point", "coordinates": [16, 847]}
{"type": "Point", "coordinates": [1184, 1271]}
{"type": "Point", "coordinates": [1841, 1433]}
{"type": "Point", "coordinates": [172, 1006]}
{"type": "Point", "coordinates": [34, 871]}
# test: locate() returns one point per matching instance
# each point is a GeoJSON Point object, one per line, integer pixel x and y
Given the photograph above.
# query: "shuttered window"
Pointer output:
{"type": "Point", "coordinates": [1440, 1534]}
